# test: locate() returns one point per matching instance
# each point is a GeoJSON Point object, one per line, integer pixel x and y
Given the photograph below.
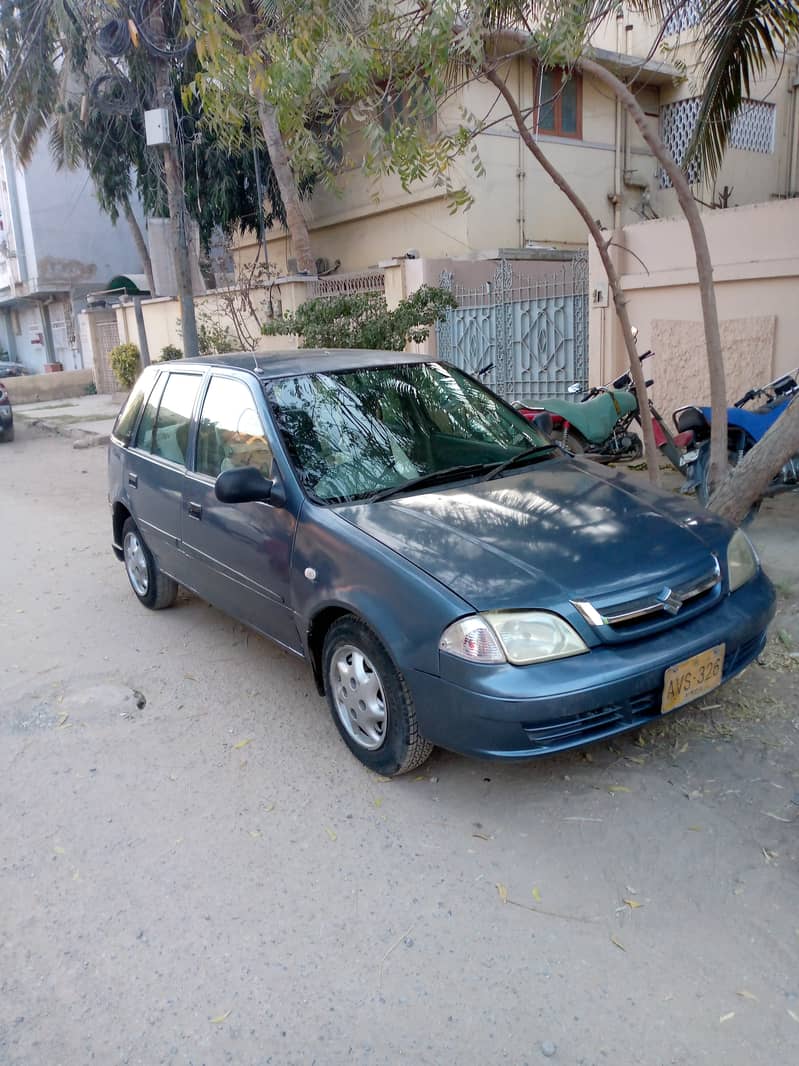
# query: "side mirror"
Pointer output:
{"type": "Point", "coordinates": [575, 388]}
{"type": "Point", "coordinates": [243, 484]}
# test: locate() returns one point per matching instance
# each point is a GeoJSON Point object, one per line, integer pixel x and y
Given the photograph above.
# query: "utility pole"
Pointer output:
{"type": "Point", "coordinates": [174, 188]}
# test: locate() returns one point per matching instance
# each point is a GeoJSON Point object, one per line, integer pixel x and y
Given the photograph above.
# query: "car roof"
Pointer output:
{"type": "Point", "coordinates": [290, 363]}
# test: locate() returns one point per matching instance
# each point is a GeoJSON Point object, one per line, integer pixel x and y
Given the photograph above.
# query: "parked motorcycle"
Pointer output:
{"type": "Point", "coordinates": [746, 426]}
{"type": "Point", "coordinates": [599, 425]}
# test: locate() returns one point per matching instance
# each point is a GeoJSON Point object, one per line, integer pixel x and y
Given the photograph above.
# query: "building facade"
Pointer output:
{"type": "Point", "coordinates": [56, 245]}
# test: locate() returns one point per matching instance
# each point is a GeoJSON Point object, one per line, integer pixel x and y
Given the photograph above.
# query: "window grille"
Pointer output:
{"type": "Point", "coordinates": [677, 123]}
{"type": "Point", "coordinates": [753, 128]}
{"type": "Point", "coordinates": [687, 15]}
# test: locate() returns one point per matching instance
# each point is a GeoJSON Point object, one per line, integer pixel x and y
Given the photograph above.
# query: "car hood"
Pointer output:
{"type": "Point", "coordinates": [561, 530]}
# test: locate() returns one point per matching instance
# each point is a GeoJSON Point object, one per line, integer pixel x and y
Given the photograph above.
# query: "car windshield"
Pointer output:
{"type": "Point", "coordinates": [355, 433]}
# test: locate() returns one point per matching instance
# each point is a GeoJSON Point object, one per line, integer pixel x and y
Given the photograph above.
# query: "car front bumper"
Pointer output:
{"type": "Point", "coordinates": [519, 712]}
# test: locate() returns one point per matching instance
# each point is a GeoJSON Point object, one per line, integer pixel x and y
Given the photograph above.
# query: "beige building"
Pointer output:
{"type": "Point", "coordinates": [587, 136]}
{"type": "Point", "coordinates": [526, 304]}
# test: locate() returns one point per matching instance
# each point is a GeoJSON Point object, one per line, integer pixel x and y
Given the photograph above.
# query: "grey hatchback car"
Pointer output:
{"type": "Point", "coordinates": [452, 577]}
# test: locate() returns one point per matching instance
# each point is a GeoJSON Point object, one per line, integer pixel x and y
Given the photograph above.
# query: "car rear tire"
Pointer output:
{"type": "Point", "coordinates": [153, 588]}
{"type": "Point", "coordinates": [7, 435]}
{"type": "Point", "coordinates": [369, 700]}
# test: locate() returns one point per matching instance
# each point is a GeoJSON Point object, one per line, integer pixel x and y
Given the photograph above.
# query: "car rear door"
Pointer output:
{"type": "Point", "coordinates": [239, 553]}
{"type": "Point", "coordinates": [156, 466]}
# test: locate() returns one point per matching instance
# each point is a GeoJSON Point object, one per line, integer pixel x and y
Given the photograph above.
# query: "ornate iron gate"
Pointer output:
{"type": "Point", "coordinates": [533, 330]}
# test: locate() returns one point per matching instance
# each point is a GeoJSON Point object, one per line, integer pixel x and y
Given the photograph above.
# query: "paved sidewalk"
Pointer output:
{"type": "Point", "coordinates": [87, 419]}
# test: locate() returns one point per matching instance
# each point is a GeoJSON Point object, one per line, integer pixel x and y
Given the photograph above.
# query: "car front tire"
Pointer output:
{"type": "Point", "coordinates": [153, 588]}
{"type": "Point", "coordinates": [370, 701]}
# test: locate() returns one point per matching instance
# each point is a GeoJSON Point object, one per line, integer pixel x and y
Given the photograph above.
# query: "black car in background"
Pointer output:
{"type": "Point", "coordinates": [6, 415]}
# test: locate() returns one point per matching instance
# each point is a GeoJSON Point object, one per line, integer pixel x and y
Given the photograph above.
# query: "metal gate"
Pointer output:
{"type": "Point", "coordinates": [533, 330]}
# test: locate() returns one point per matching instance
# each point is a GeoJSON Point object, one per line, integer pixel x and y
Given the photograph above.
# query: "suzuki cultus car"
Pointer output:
{"type": "Point", "coordinates": [451, 576]}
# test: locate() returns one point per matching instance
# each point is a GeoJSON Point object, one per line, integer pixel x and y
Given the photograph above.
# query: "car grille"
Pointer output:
{"type": "Point", "coordinates": [629, 619]}
{"type": "Point", "coordinates": [591, 725]}
{"type": "Point", "coordinates": [626, 714]}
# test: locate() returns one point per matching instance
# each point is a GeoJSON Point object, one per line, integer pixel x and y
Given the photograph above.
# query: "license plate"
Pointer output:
{"type": "Point", "coordinates": [692, 678]}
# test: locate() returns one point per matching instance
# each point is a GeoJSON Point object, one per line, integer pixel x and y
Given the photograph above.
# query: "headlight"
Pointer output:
{"type": "Point", "coordinates": [742, 561]}
{"type": "Point", "coordinates": [521, 637]}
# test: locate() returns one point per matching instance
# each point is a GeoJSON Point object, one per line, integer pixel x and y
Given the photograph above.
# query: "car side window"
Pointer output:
{"type": "Point", "coordinates": [171, 432]}
{"type": "Point", "coordinates": [144, 434]}
{"type": "Point", "coordinates": [231, 432]}
{"type": "Point", "coordinates": [126, 419]}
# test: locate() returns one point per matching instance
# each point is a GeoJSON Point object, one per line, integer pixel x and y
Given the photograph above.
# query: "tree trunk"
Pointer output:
{"type": "Point", "coordinates": [176, 197]}
{"type": "Point", "coordinates": [295, 220]}
{"type": "Point", "coordinates": [619, 299]}
{"type": "Point", "coordinates": [704, 265]}
{"type": "Point", "coordinates": [141, 244]}
{"type": "Point", "coordinates": [746, 483]}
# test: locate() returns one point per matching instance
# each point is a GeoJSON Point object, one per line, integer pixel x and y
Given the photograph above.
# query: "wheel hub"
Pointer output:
{"type": "Point", "coordinates": [358, 696]}
{"type": "Point", "coordinates": [136, 563]}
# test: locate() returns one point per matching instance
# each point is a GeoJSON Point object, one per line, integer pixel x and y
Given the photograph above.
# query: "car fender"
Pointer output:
{"type": "Point", "coordinates": [337, 568]}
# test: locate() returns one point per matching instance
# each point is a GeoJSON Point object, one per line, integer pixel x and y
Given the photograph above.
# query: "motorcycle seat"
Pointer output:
{"type": "Point", "coordinates": [752, 422]}
{"type": "Point", "coordinates": [595, 418]}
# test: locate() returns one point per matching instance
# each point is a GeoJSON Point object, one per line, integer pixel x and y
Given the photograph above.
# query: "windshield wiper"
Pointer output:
{"type": "Point", "coordinates": [433, 478]}
{"type": "Point", "coordinates": [528, 453]}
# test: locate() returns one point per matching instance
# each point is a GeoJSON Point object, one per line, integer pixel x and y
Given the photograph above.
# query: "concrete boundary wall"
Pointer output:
{"type": "Point", "coordinates": [755, 254]}
{"type": "Point", "coordinates": [61, 385]}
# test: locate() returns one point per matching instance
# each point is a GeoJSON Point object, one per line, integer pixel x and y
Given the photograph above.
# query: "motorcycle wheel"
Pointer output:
{"type": "Point", "coordinates": [704, 489]}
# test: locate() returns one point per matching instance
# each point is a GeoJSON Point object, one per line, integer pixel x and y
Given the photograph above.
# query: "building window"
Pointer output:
{"type": "Point", "coordinates": [560, 104]}
{"type": "Point", "coordinates": [688, 14]}
{"type": "Point", "coordinates": [753, 128]}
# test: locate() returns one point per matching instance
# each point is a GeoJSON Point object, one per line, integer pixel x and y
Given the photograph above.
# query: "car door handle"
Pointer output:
{"type": "Point", "coordinates": [133, 479]}
{"type": "Point", "coordinates": [195, 510]}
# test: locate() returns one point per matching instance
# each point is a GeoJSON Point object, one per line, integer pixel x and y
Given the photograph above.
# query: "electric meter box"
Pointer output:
{"type": "Point", "coordinates": [156, 126]}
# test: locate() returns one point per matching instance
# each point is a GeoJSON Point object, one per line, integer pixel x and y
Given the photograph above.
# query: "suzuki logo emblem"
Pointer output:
{"type": "Point", "coordinates": [670, 600]}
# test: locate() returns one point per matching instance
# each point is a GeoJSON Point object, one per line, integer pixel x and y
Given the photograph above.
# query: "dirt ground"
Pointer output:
{"type": "Point", "coordinates": [196, 871]}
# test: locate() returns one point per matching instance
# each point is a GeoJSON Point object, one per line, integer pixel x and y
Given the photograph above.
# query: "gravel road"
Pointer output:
{"type": "Point", "coordinates": [196, 871]}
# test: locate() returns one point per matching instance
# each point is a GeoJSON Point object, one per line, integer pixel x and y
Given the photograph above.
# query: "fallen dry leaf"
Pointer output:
{"type": "Point", "coordinates": [243, 743]}
{"type": "Point", "coordinates": [694, 828]}
{"type": "Point", "coordinates": [745, 994]}
{"type": "Point", "coordinates": [633, 904]}
{"type": "Point", "coordinates": [793, 1014]}
{"type": "Point", "coordinates": [58, 850]}
{"type": "Point", "coordinates": [726, 1017]}
{"type": "Point", "coordinates": [618, 788]}
{"type": "Point", "coordinates": [503, 892]}
{"type": "Point", "coordinates": [378, 801]}
{"type": "Point", "coordinates": [618, 943]}
{"type": "Point", "coordinates": [221, 1017]}
{"type": "Point", "coordinates": [255, 833]}
{"type": "Point", "coordinates": [481, 836]}
{"type": "Point", "coordinates": [536, 894]}
{"type": "Point", "coordinates": [330, 833]}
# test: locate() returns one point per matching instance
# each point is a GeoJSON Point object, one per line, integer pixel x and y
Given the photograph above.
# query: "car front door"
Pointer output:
{"type": "Point", "coordinates": [239, 553]}
{"type": "Point", "coordinates": [155, 467]}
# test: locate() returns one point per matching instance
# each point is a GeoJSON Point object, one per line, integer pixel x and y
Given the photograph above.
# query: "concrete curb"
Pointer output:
{"type": "Point", "coordinates": [81, 438]}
